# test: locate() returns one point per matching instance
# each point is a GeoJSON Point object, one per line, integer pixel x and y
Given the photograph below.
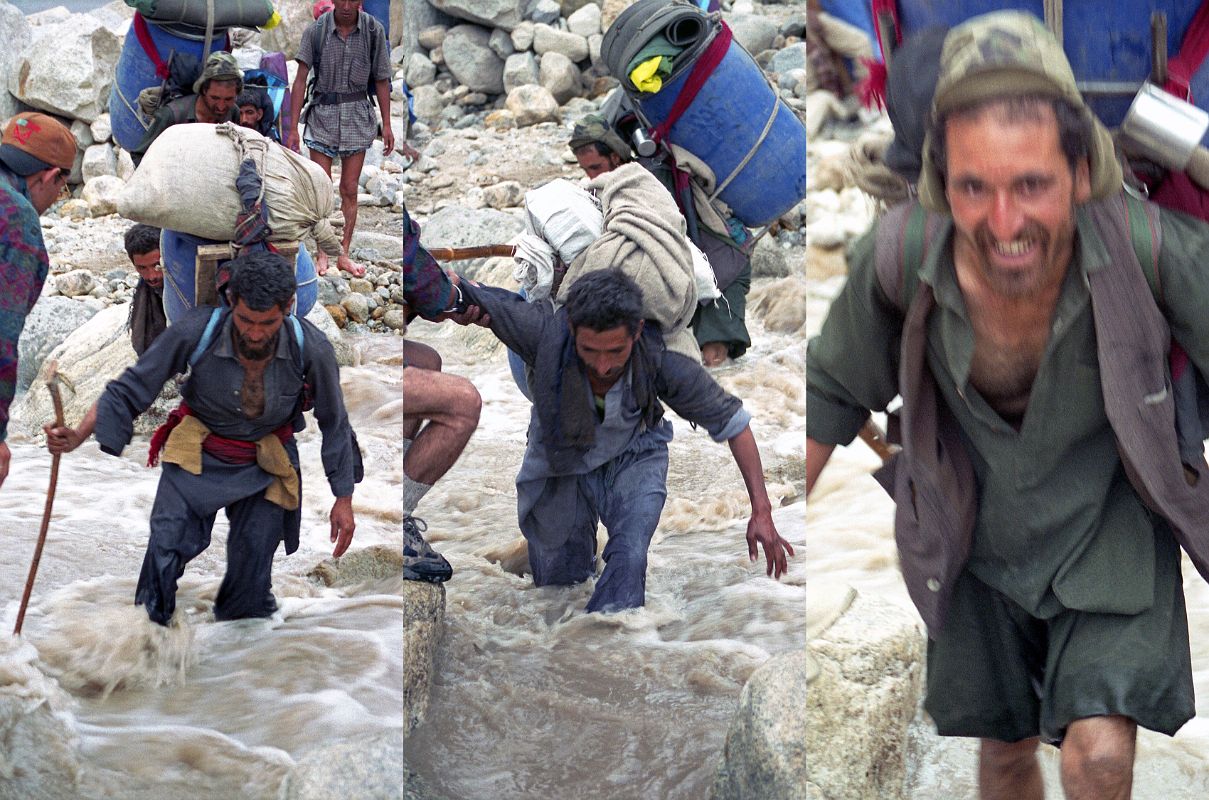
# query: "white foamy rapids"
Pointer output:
{"type": "Point", "coordinates": [534, 698]}
{"type": "Point", "coordinates": [202, 709]}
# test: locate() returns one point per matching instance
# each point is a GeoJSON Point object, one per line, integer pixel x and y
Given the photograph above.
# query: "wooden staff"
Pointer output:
{"type": "Point", "coordinates": [873, 436]}
{"type": "Point", "coordinates": [463, 253]}
{"type": "Point", "coordinates": [52, 383]}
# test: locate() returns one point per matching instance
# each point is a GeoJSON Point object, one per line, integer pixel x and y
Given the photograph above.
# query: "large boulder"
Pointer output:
{"type": "Point", "coordinates": [68, 68]}
{"type": "Point", "coordinates": [756, 33]}
{"type": "Point", "coordinates": [505, 14]}
{"type": "Point", "coordinates": [552, 40]}
{"type": "Point", "coordinates": [519, 69]}
{"type": "Point", "coordinates": [560, 75]}
{"type": "Point", "coordinates": [14, 32]}
{"type": "Point", "coordinates": [458, 226]}
{"type": "Point", "coordinates": [39, 747]}
{"type": "Point", "coordinates": [296, 17]}
{"type": "Point", "coordinates": [369, 766]}
{"type": "Point", "coordinates": [765, 753]}
{"type": "Point", "coordinates": [52, 320]}
{"type": "Point", "coordinates": [419, 15]}
{"type": "Point", "coordinates": [468, 54]}
{"type": "Point", "coordinates": [585, 21]}
{"type": "Point", "coordinates": [789, 58]}
{"type": "Point", "coordinates": [864, 682]}
{"type": "Point", "coordinates": [420, 70]}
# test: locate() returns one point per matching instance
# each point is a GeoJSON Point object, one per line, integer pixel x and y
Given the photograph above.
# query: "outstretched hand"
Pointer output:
{"type": "Point", "coordinates": [762, 531]}
{"type": "Point", "coordinates": [343, 525]}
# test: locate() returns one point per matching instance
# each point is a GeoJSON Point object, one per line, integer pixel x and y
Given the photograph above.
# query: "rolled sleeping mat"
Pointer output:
{"type": "Point", "coordinates": [194, 13]}
{"type": "Point", "coordinates": [679, 21]}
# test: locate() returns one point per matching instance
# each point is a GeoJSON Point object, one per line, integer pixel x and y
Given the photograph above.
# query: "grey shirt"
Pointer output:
{"type": "Point", "coordinates": [213, 391]}
{"type": "Point", "coordinates": [345, 68]}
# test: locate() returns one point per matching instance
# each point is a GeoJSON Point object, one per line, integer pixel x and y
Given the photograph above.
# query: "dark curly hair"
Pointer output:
{"type": "Point", "coordinates": [603, 300]}
{"type": "Point", "coordinates": [262, 280]}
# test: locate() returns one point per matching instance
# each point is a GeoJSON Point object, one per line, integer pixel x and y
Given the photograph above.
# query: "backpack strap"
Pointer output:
{"type": "Point", "coordinates": [212, 325]}
{"type": "Point", "coordinates": [905, 235]}
{"type": "Point", "coordinates": [1146, 234]}
{"type": "Point", "coordinates": [206, 337]}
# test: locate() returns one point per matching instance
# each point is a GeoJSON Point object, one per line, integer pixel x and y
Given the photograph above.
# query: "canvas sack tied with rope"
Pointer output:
{"type": "Point", "coordinates": [199, 163]}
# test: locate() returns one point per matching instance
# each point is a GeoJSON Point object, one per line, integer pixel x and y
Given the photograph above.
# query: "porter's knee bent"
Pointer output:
{"type": "Point", "coordinates": [466, 404]}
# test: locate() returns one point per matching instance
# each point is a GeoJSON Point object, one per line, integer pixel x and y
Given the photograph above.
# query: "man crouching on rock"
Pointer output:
{"type": "Point", "coordinates": [230, 444]}
{"type": "Point", "coordinates": [598, 437]}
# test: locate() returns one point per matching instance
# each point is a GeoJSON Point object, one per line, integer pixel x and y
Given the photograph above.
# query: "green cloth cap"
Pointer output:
{"type": "Point", "coordinates": [595, 128]}
{"type": "Point", "coordinates": [1010, 54]}
{"type": "Point", "coordinates": [220, 66]}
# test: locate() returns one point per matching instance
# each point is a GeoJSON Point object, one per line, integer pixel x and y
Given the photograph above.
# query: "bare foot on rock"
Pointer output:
{"type": "Point", "coordinates": [351, 267]}
{"type": "Point", "coordinates": [321, 263]}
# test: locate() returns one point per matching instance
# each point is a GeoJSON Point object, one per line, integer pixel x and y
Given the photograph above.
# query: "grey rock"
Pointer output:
{"type": "Point", "coordinates": [428, 102]}
{"type": "Point", "coordinates": [15, 33]}
{"type": "Point", "coordinates": [101, 128]}
{"type": "Point", "coordinates": [520, 69]}
{"type": "Point", "coordinates": [331, 289]}
{"type": "Point", "coordinates": [754, 32]}
{"type": "Point", "coordinates": [501, 43]}
{"type": "Point", "coordinates": [504, 14]}
{"type": "Point", "coordinates": [769, 260]}
{"type": "Point", "coordinates": [296, 17]}
{"type": "Point", "coordinates": [432, 36]}
{"type": "Point", "coordinates": [51, 320]}
{"type": "Point", "coordinates": [99, 159]}
{"type": "Point", "coordinates": [531, 104]}
{"type": "Point", "coordinates": [395, 319]}
{"type": "Point", "coordinates": [374, 246]}
{"type": "Point", "coordinates": [765, 753]}
{"type": "Point", "coordinates": [585, 21]}
{"type": "Point", "coordinates": [551, 40]}
{"type": "Point", "coordinates": [420, 71]}
{"type": "Point", "coordinates": [457, 226]}
{"type": "Point", "coordinates": [68, 68]}
{"type": "Point", "coordinates": [125, 165]}
{"type": "Point", "coordinates": [356, 306]}
{"type": "Point", "coordinates": [469, 56]}
{"type": "Point", "coordinates": [83, 133]}
{"type": "Point", "coordinates": [522, 36]}
{"type": "Point", "coordinates": [560, 76]}
{"type": "Point", "coordinates": [545, 11]}
{"type": "Point", "coordinates": [506, 194]}
{"type": "Point", "coordinates": [568, 7]}
{"type": "Point", "coordinates": [437, 56]}
{"type": "Point", "coordinates": [75, 283]}
{"type": "Point", "coordinates": [594, 42]}
{"type": "Point", "coordinates": [789, 58]}
{"type": "Point", "coordinates": [101, 194]}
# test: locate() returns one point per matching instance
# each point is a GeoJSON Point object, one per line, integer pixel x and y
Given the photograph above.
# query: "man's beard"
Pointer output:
{"type": "Point", "coordinates": [253, 353]}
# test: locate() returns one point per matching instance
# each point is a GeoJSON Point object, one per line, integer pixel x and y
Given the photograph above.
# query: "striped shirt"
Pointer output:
{"type": "Point", "coordinates": [345, 68]}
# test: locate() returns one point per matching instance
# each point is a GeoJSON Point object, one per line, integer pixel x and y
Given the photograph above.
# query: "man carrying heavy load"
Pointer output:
{"type": "Point", "coordinates": [214, 101]}
{"type": "Point", "coordinates": [1041, 499]}
{"type": "Point", "coordinates": [719, 326]}
{"type": "Point", "coordinates": [347, 50]}
{"type": "Point", "coordinates": [230, 445]}
{"type": "Point", "coordinates": [598, 435]}
{"type": "Point", "coordinates": [36, 156]}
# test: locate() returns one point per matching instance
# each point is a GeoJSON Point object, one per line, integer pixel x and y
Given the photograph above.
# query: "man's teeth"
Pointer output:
{"type": "Point", "coordinates": [1017, 247]}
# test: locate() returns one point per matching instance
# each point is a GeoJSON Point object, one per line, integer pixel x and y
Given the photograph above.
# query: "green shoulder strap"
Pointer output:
{"type": "Point", "coordinates": [1145, 233]}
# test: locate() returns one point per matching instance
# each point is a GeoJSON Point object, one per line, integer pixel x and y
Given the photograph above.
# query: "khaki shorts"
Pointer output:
{"type": "Point", "coordinates": [996, 672]}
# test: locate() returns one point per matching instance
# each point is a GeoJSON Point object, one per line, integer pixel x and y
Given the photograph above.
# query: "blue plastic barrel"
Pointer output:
{"type": "Point", "coordinates": [136, 72]}
{"type": "Point", "coordinates": [1108, 44]}
{"type": "Point", "coordinates": [380, 10]}
{"type": "Point", "coordinates": [725, 122]}
{"type": "Point", "coordinates": [178, 254]}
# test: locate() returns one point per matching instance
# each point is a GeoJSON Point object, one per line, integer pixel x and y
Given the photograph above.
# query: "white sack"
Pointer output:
{"type": "Point", "coordinates": [186, 183]}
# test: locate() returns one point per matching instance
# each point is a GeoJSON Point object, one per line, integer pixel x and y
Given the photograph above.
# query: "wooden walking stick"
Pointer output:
{"type": "Point", "coordinates": [463, 253]}
{"type": "Point", "coordinates": [52, 383]}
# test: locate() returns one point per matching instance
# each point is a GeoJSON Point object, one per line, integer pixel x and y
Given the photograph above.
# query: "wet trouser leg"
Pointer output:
{"type": "Point", "coordinates": [574, 560]}
{"type": "Point", "coordinates": [629, 492]}
{"type": "Point", "coordinates": [177, 536]}
{"type": "Point", "coordinates": [246, 590]}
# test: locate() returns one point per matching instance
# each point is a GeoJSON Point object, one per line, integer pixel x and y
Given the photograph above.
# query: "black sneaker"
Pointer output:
{"type": "Point", "coordinates": [420, 561]}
